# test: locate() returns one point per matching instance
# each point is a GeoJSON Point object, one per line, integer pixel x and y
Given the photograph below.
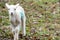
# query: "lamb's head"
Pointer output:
{"type": "Point", "coordinates": [11, 8]}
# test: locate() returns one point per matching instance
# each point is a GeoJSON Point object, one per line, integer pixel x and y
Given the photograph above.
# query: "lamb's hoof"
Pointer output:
{"type": "Point", "coordinates": [24, 35]}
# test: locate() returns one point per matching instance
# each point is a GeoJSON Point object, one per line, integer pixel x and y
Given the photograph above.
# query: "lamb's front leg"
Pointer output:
{"type": "Point", "coordinates": [16, 34]}
{"type": "Point", "coordinates": [16, 37]}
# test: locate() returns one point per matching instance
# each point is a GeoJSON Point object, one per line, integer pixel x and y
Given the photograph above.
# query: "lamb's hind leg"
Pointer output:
{"type": "Point", "coordinates": [24, 26]}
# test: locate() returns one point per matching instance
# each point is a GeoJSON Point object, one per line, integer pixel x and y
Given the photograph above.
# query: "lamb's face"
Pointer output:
{"type": "Point", "coordinates": [11, 8]}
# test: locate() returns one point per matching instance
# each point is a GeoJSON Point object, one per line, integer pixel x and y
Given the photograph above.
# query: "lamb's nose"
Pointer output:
{"type": "Point", "coordinates": [11, 13]}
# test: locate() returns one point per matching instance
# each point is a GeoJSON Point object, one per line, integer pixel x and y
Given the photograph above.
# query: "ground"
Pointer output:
{"type": "Point", "coordinates": [43, 20]}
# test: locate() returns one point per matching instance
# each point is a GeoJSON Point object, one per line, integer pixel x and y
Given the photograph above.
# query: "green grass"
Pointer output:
{"type": "Point", "coordinates": [42, 12]}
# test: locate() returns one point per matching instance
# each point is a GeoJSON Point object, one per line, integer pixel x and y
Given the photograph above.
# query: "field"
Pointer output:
{"type": "Point", "coordinates": [43, 20]}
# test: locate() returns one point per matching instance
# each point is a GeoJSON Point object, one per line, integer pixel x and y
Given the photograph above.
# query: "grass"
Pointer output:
{"type": "Point", "coordinates": [43, 17]}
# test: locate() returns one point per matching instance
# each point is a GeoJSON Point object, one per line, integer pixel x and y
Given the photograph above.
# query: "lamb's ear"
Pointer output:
{"type": "Point", "coordinates": [7, 5]}
{"type": "Point", "coordinates": [17, 5]}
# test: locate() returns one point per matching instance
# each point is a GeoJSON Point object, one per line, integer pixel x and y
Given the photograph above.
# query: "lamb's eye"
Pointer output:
{"type": "Point", "coordinates": [8, 9]}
